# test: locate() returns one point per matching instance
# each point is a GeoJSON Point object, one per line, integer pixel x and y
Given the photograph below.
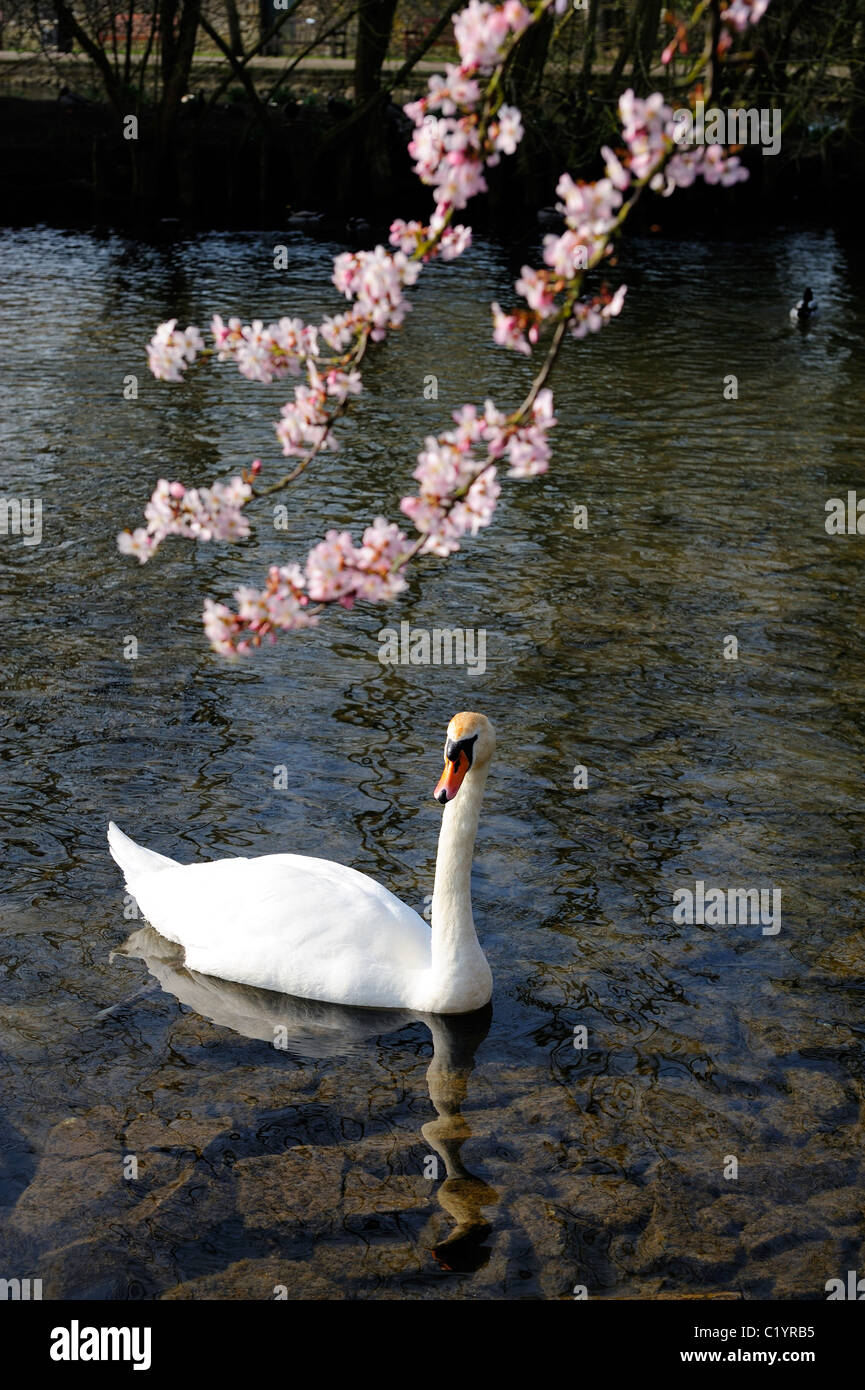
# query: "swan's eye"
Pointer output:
{"type": "Point", "coordinates": [454, 747]}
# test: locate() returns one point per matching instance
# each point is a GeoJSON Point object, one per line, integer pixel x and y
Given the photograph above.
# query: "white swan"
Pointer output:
{"type": "Point", "coordinates": [318, 929]}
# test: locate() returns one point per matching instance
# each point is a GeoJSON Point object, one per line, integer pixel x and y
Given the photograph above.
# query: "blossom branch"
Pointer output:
{"type": "Point", "coordinates": [460, 130]}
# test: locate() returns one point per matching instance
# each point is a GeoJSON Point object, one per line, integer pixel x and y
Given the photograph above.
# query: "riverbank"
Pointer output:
{"type": "Point", "coordinates": [66, 161]}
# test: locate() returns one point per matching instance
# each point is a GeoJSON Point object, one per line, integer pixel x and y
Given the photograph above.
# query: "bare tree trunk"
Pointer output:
{"type": "Point", "coordinates": [589, 49]}
{"type": "Point", "coordinates": [65, 33]}
{"type": "Point", "coordinates": [235, 38]}
{"type": "Point", "coordinates": [527, 69]}
{"type": "Point", "coordinates": [648, 23]}
{"type": "Point", "coordinates": [267, 17]}
{"type": "Point", "coordinates": [856, 111]}
{"type": "Point", "coordinates": [176, 65]}
{"type": "Point", "coordinates": [167, 42]}
{"type": "Point", "coordinates": [93, 50]}
{"type": "Point", "coordinates": [374, 27]}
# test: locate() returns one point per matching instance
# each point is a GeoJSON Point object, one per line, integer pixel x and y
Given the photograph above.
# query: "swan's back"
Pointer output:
{"type": "Point", "coordinates": [285, 922]}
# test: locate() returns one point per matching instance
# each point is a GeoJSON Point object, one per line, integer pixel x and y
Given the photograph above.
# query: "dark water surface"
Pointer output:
{"type": "Point", "coordinates": [521, 1166]}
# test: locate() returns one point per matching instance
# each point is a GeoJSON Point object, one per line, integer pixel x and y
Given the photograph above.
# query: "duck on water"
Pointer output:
{"type": "Point", "coordinates": [806, 309]}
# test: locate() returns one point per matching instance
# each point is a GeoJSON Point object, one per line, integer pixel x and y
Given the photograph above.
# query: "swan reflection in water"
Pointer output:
{"type": "Point", "coordinates": [310, 1028]}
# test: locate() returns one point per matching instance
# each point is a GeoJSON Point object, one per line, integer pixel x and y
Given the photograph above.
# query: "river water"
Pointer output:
{"type": "Point", "coordinates": [708, 1135]}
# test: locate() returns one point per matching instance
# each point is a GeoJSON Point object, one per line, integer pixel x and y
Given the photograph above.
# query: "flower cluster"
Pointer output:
{"type": "Point", "coordinates": [375, 281]}
{"type": "Point", "coordinates": [590, 211]}
{"type": "Point", "coordinates": [712, 163]}
{"type": "Point", "coordinates": [340, 572]}
{"type": "Point", "coordinates": [280, 605]}
{"type": "Point", "coordinates": [456, 495]}
{"type": "Point", "coordinates": [265, 354]}
{"type": "Point", "coordinates": [481, 32]}
{"type": "Point", "coordinates": [458, 491]}
{"type": "Point", "coordinates": [305, 422]}
{"type": "Point", "coordinates": [205, 514]}
{"type": "Point", "coordinates": [452, 148]}
{"type": "Point", "coordinates": [653, 150]}
{"type": "Point", "coordinates": [646, 131]}
{"type": "Point", "coordinates": [518, 330]}
{"type": "Point", "coordinates": [415, 238]}
{"type": "Point", "coordinates": [739, 14]}
{"type": "Point", "coordinates": [527, 446]}
{"type": "Point", "coordinates": [336, 571]}
{"type": "Point", "coordinates": [591, 315]}
{"type": "Point", "coordinates": [651, 154]}
{"type": "Point", "coordinates": [170, 352]}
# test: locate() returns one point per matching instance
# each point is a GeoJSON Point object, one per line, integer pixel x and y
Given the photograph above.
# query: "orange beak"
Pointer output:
{"type": "Point", "coordinates": [452, 778]}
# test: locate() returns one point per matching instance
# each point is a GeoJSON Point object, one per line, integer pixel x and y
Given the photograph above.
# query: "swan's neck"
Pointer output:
{"type": "Point", "coordinates": [457, 958]}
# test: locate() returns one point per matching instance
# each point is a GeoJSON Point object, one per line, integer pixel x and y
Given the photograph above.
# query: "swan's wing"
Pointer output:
{"type": "Point", "coordinates": [290, 923]}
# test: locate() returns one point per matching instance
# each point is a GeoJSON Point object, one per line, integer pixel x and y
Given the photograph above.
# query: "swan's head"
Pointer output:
{"type": "Point", "coordinates": [469, 745]}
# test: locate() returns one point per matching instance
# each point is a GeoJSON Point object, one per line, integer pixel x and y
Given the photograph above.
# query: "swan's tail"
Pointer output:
{"type": "Point", "coordinates": [134, 859]}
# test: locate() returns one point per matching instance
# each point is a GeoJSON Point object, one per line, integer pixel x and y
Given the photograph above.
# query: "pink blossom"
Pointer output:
{"type": "Point", "coordinates": [141, 543]}
{"type": "Point", "coordinates": [220, 626]}
{"type": "Point", "coordinates": [384, 545]}
{"type": "Point", "coordinates": [337, 572]}
{"type": "Point", "coordinates": [205, 514]}
{"type": "Point", "coordinates": [329, 569]}
{"type": "Point", "coordinates": [679, 172]}
{"type": "Point", "coordinates": [538, 290]}
{"type": "Point", "coordinates": [450, 149]}
{"type": "Point", "coordinates": [170, 352]}
{"type": "Point", "coordinates": [740, 13]}
{"type": "Point", "coordinates": [457, 492]}
{"type": "Point", "coordinates": [225, 335]}
{"type": "Point", "coordinates": [710, 162]}
{"type": "Point", "coordinates": [340, 330]}
{"type": "Point", "coordinates": [567, 254]}
{"type": "Point", "coordinates": [280, 605]}
{"type": "Point", "coordinates": [481, 31]}
{"type": "Point", "coordinates": [343, 384]}
{"type": "Point", "coordinates": [443, 527]}
{"type": "Point", "coordinates": [646, 130]}
{"type": "Point", "coordinates": [509, 330]}
{"type": "Point", "coordinates": [265, 354]}
{"type": "Point", "coordinates": [454, 241]}
{"type": "Point", "coordinates": [615, 170]}
{"type": "Point", "coordinates": [456, 89]}
{"type": "Point", "coordinates": [409, 237]}
{"type": "Point", "coordinates": [528, 447]}
{"type": "Point", "coordinates": [448, 156]}
{"type": "Point", "coordinates": [589, 208]}
{"type": "Point", "coordinates": [717, 166]}
{"type": "Point", "coordinates": [475, 511]}
{"type": "Point", "coordinates": [375, 280]}
{"type": "Point", "coordinates": [591, 315]}
{"type": "Point", "coordinates": [506, 131]}
{"type": "Point", "coordinates": [305, 422]}
{"type": "Point", "coordinates": [427, 146]}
